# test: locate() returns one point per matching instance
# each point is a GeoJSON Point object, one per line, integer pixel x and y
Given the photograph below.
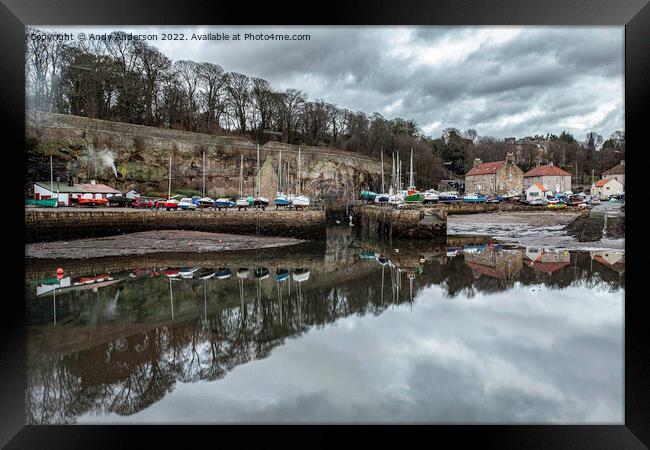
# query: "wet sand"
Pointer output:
{"type": "Point", "coordinates": [149, 242]}
{"type": "Point", "coordinates": [543, 228]}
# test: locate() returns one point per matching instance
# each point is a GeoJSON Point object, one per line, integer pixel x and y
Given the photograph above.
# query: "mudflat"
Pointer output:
{"type": "Point", "coordinates": [149, 242]}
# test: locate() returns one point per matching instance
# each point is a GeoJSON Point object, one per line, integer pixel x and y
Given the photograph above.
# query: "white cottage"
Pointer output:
{"type": "Point", "coordinates": [132, 194]}
{"type": "Point", "coordinates": [536, 191]}
{"type": "Point", "coordinates": [65, 192]}
{"type": "Point", "coordinates": [607, 187]}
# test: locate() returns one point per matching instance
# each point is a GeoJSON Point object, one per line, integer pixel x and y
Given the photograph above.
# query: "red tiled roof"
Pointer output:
{"type": "Point", "coordinates": [485, 270]}
{"type": "Point", "coordinates": [547, 267]}
{"type": "Point", "coordinates": [485, 168]}
{"type": "Point", "coordinates": [601, 183]}
{"type": "Point", "coordinates": [541, 187]}
{"type": "Point", "coordinates": [547, 171]}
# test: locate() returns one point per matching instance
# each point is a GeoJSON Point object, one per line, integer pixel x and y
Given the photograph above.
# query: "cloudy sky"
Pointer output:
{"type": "Point", "coordinates": [501, 81]}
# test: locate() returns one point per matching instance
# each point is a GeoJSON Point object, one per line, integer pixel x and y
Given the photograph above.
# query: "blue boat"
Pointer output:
{"type": "Point", "coordinates": [282, 200]}
{"type": "Point", "coordinates": [223, 203]}
{"type": "Point", "coordinates": [281, 274]}
{"type": "Point", "coordinates": [368, 195]}
{"type": "Point", "coordinates": [223, 273]}
{"type": "Point", "coordinates": [449, 196]}
{"type": "Point", "coordinates": [474, 198]}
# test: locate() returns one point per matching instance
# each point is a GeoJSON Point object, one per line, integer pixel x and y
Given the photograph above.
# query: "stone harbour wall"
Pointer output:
{"type": "Point", "coordinates": [50, 225]}
{"type": "Point", "coordinates": [424, 223]}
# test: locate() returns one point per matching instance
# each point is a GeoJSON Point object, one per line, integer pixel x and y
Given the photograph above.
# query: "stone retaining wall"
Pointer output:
{"type": "Point", "coordinates": [49, 225]}
{"type": "Point", "coordinates": [425, 222]}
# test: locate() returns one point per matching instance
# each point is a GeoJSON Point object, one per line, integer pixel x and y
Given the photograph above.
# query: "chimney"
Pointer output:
{"type": "Point", "coordinates": [477, 161]}
{"type": "Point", "coordinates": [510, 158]}
{"type": "Point", "coordinates": [550, 163]}
{"type": "Point", "coordinates": [93, 182]}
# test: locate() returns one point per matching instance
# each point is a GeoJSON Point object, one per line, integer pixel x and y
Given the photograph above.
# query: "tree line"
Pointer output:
{"type": "Point", "coordinates": [130, 81]}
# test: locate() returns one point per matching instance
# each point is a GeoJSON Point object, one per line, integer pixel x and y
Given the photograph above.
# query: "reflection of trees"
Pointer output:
{"type": "Point", "coordinates": [127, 374]}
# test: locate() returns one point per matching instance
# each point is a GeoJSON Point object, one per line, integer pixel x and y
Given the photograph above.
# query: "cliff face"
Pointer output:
{"type": "Point", "coordinates": [86, 148]}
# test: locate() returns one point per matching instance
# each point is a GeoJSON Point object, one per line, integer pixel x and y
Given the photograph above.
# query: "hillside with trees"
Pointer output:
{"type": "Point", "coordinates": [131, 81]}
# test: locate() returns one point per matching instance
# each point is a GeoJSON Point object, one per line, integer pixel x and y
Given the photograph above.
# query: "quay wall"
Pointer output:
{"type": "Point", "coordinates": [50, 225]}
{"type": "Point", "coordinates": [381, 221]}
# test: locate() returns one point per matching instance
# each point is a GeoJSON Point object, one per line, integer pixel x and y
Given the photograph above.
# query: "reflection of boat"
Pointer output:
{"type": "Point", "coordinates": [301, 275]}
{"type": "Point", "coordinates": [261, 273]}
{"type": "Point", "coordinates": [223, 273]}
{"type": "Point", "coordinates": [281, 274]}
{"type": "Point", "coordinates": [205, 274]}
{"type": "Point", "coordinates": [188, 272]}
{"type": "Point", "coordinates": [243, 273]}
{"type": "Point", "coordinates": [367, 254]}
{"type": "Point", "coordinates": [474, 248]}
{"type": "Point", "coordinates": [453, 251]}
{"type": "Point", "coordinates": [381, 259]}
{"type": "Point", "coordinates": [171, 273]}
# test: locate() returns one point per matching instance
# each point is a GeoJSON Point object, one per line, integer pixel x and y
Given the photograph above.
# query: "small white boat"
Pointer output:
{"type": "Point", "coordinates": [243, 273]}
{"type": "Point", "coordinates": [242, 202]}
{"type": "Point", "coordinates": [206, 202]}
{"type": "Point", "coordinates": [299, 200]}
{"type": "Point", "coordinates": [188, 272]}
{"type": "Point", "coordinates": [301, 275]}
{"type": "Point", "coordinates": [186, 203]}
{"type": "Point", "coordinates": [430, 196]}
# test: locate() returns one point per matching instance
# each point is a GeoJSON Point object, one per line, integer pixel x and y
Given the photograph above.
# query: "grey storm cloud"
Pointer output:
{"type": "Point", "coordinates": [500, 81]}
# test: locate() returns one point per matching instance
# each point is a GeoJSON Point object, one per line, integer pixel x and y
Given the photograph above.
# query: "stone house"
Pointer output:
{"type": "Point", "coordinates": [607, 187]}
{"type": "Point", "coordinates": [555, 179]}
{"type": "Point", "coordinates": [498, 177]}
{"type": "Point", "coordinates": [616, 173]}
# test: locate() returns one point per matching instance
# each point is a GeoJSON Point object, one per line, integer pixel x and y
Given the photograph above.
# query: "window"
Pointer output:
{"type": "Point", "coordinates": [509, 176]}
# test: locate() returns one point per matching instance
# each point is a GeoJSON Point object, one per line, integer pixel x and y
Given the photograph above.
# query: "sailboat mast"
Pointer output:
{"type": "Point", "coordinates": [411, 186]}
{"type": "Point", "coordinates": [298, 170]}
{"type": "Point", "coordinates": [203, 173]}
{"type": "Point", "coordinates": [241, 176]}
{"type": "Point", "coordinates": [169, 188]}
{"type": "Point", "coordinates": [280, 172]}
{"type": "Point", "coordinates": [258, 170]}
{"type": "Point", "coordinates": [382, 171]}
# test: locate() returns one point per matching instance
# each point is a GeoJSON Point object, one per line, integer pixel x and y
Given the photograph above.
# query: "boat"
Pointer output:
{"type": "Point", "coordinates": [594, 200]}
{"type": "Point", "coordinates": [242, 202]}
{"type": "Point", "coordinates": [223, 273]}
{"type": "Point", "coordinates": [206, 274]}
{"type": "Point", "coordinates": [301, 275]}
{"type": "Point", "coordinates": [243, 273]}
{"type": "Point", "coordinates": [223, 202]}
{"type": "Point", "coordinates": [381, 259]}
{"type": "Point", "coordinates": [383, 197]}
{"type": "Point", "coordinates": [171, 273]}
{"type": "Point", "coordinates": [92, 201]}
{"type": "Point", "coordinates": [474, 198]}
{"type": "Point", "coordinates": [258, 200]}
{"type": "Point", "coordinates": [367, 254]}
{"type": "Point", "coordinates": [261, 273]}
{"type": "Point", "coordinates": [430, 196]}
{"type": "Point", "coordinates": [205, 202]}
{"type": "Point", "coordinates": [299, 201]}
{"type": "Point", "coordinates": [449, 197]}
{"type": "Point", "coordinates": [368, 196]}
{"type": "Point", "coordinates": [187, 204]}
{"type": "Point", "coordinates": [188, 272]}
{"type": "Point", "coordinates": [281, 275]}
{"type": "Point", "coordinates": [281, 200]}
{"type": "Point", "coordinates": [412, 194]}
{"type": "Point", "coordinates": [494, 199]}
{"type": "Point", "coordinates": [171, 203]}
{"type": "Point", "coordinates": [558, 205]}
{"type": "Point", "coordinates": [42, 202]}
{"type": "Point", "coordinates": [474, 248]}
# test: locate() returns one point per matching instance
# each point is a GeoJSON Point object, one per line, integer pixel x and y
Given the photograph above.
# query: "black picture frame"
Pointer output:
{"type": "Point", "coordinates": [15, 14]}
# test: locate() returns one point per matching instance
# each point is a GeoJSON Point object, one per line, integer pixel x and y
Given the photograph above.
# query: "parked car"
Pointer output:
{"type": "Point", "coordinates": [119, 200]}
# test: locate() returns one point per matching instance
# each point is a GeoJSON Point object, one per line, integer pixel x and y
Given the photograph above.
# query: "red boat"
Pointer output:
{"type": "Point", "coordinates": [92, 201]}
{"type": "Point", "coordinates": [170, 204]}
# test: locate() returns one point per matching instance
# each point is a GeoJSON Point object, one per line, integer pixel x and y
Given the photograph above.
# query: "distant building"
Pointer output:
{"type": "Point", "coordinates": [616, 173]}
{"type": "Point", "coordinates": [44, 190]}
{"type": "Point", "coordinates": [607, 187]}
{"type": "Point", "coordinates": [550, 176]}
{"type": "Point", "coordinates": [498, 177]}
{"type": "Point", "coordinates": [536, 191]}
{"type": "Point", "coordinates": [519, 145]}
{"type": "Point", "coordinates": [132, 194]}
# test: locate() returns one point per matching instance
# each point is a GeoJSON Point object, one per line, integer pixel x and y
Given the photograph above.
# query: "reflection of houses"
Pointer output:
{"type": "Point", "coordinates": [554, 178]}
{"type": "Point", "coordinates": [616, 173]}
{"type": "Point", "coordinates": [607, 187]}
{"type": "Point", "coordinates": [546, 260]}
{"type": "Point", "coordinates": [498, 177]}
{"type": "Point", "coordinates": [503, 264]}
{"type": "Point", "coordinates": [66, 192]}
{"type": "Point", "coordinates": [615, 260]}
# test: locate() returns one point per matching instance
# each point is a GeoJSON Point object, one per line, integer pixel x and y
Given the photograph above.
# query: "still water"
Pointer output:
{"type": "Point", "coordinates": [347, 331]}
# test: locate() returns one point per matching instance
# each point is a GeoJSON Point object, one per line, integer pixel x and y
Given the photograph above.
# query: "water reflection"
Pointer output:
{"type": "Point", "coordinates": [363, 331]}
